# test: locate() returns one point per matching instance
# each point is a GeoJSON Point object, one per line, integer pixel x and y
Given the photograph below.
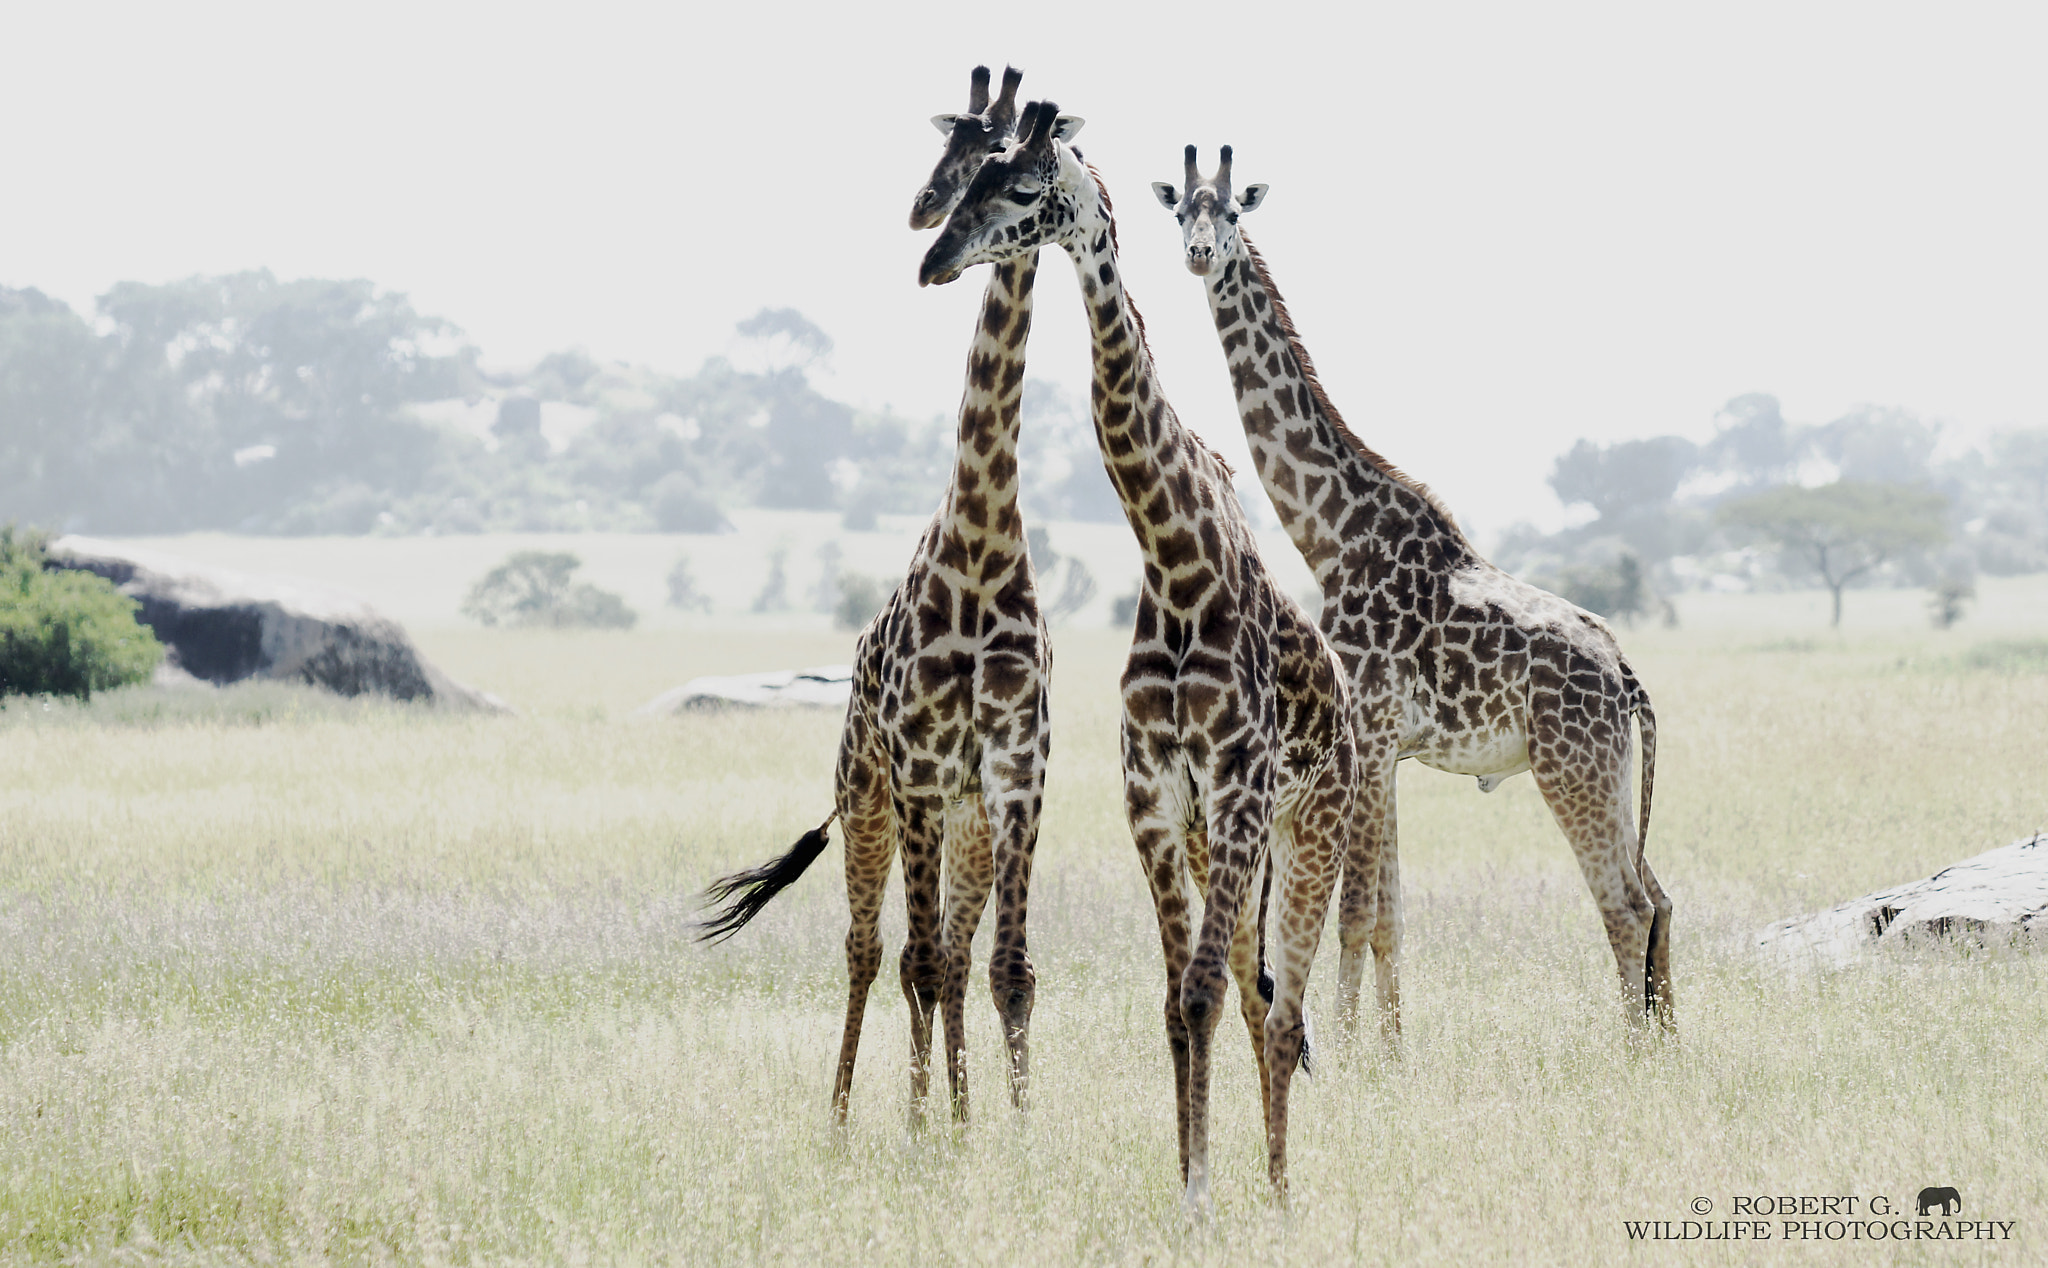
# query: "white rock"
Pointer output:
{"type": "Point", "coordinates": [1997, 898]}
{"type": "Point", "coordinates": [820, 687]}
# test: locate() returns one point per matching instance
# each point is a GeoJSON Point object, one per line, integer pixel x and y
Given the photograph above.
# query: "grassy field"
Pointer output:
{"type": "Point", "coordinates": [287, 978]}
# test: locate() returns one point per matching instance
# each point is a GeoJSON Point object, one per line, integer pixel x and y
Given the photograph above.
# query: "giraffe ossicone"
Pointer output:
{"type": "Point", "coordinates": [1237, 746]}
{"type": "Point", "coordinates": [1451, 661]}
{"type": "Point", "coordinates": [942, 757]}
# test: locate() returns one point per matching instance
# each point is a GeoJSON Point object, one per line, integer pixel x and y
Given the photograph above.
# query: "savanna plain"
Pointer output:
{"type": "Point", "coordinates": [290, 978]}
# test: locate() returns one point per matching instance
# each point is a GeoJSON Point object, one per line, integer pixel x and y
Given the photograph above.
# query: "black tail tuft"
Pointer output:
{"type": "Point", "coordinates": [744, 894]}
{"type": "Point", "coordinates": [1308, 1047]}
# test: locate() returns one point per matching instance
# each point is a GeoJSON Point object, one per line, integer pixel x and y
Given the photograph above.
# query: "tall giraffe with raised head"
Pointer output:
{"type": "Point", "coordinates": [1237, 748]}
{"type": "Point", "coordinates": [1451, 661]}
{"type": "Point", "coordinates": [944, 748]}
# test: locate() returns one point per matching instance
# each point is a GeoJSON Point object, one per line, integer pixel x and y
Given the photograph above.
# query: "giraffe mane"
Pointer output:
{"type": "Point", "coordinates": [1138, 320]}
{"type": "Point", "coordinates": [1322, 400]}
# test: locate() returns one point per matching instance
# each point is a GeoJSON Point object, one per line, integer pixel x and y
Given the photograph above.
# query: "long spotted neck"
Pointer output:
{"type": "Point", "coordinates": [1332, 494]}
{"type": "Point", "coordinates": [1166, 478]}
{"type": "Point", "coordinates": [981, 531]}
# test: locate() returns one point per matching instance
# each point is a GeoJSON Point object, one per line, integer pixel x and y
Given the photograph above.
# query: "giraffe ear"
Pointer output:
{"type": "Point", "coordinates": [1252, 196]}
{"type": "Point", "coordinates": [1168, 197]}
{"type": "Point", "coordinates": [1068, 126]}
{"type": "Point", "coordinates": [944, 122]}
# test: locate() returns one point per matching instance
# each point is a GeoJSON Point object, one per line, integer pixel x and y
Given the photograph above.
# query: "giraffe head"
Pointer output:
{"type": "Point", "coordinates": [985, 129]}
{"type": "Point", "coordinates": [1208, 212]}
{"type": "Point", "coordinates": [1021, 199]}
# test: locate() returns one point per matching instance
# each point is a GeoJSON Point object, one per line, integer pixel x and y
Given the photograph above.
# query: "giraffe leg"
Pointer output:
{"type": "Point", "coordinates": [1019, 781]}
{"type": "Point", "coordinates": [923, 964]}
{"type": "Point", "coordinates": [1595, 820]}
{"type": "Point", "coordinates": [1661, 1003]}
{"type": "Point", "coordinates": [1308, 856]}
{"type": "Point", "coordinates": [867, 816]}
{"type": "Point", "coordinates": [968, 876]}
{"type": "Point", "coordinates": [1369, 906]}
{"type": "Point", "coordinates": [1162, 843]}
{"type": "Point", "coordinates": [1203, 982]}
{"type": "Point", "coordinates": [1254, 983]}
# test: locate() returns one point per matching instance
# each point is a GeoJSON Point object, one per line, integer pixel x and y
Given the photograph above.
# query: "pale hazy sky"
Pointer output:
{"type": "Point", "coordinates": [1499, 227]}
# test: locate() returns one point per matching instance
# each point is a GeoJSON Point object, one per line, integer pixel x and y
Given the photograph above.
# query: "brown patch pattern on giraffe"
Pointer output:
{"type": "Point", "coordinates": [1237, 747]}
{"type": "Point", "coordinates": [1451, 661]}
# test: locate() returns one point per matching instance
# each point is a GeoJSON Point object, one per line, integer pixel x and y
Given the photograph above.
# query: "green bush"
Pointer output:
{"type": "Point", "coordinates": [65, 633]}
{"type": "Point", "coordinates": [533, 587]}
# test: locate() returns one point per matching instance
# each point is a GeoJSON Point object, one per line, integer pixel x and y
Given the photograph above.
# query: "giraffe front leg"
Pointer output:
{"type": "Point", "coordinates": [968, 875]}
{"type": "Point", "coordinates": [1012, 982]}
{"type": "Point", "coordinates": [922, 967]}
{"type": "Point", "coordinates": [1162, 841]}
{"type": "Point", "coordinates": [1232, 858]}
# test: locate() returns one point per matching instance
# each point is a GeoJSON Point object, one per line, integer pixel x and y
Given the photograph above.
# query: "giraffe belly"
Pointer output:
{"type": "Point", "coordinates": [1491, 757]}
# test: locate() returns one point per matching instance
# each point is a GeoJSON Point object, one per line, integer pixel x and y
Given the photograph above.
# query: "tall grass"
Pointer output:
{"type": "Point", "coordinates": [286, 978]}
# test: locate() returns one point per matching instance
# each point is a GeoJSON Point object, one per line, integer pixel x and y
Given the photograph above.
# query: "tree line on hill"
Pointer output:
{"type": "Point", "coordinates": [244, 403]}
{"type": "Point", "coordinates": [1768, 503]}
{"type": "Point", "coordinates": [249, 404]}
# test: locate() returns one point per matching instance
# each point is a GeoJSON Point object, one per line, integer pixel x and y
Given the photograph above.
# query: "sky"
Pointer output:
{"type": "Point", "coordinates": [1499, 227]}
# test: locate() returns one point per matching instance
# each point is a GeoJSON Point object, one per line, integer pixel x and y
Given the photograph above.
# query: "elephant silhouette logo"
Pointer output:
{"type": "Point", "coordinates": [1943, 1198]}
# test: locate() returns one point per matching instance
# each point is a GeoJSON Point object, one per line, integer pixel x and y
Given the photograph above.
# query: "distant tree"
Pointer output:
{"type": "Point", "coordinates": [536, 588]}
{"type": "Point", "coordinates": [774, 595]}
{"type": "Point", "coordinates": [1876, 445]}
{"type": "Point", "coordinates": [782, 339]}
{"type": "Point", "coordinates": [303, 386]}
{"type": "Point", "coordinates": [1753, 441]}
{"type": "Point", "coordinates": [517, 429]}
{"type": "Point", "coordinates": [680, 505]}
{"type": "Point", "coordinates": [2020, 462]}
{"type": "Point", "coordinates": [1618, 590]}
{"type": "Point", "coordinates": [860, 598]}
{"type": "Point", "coordinates": [1953, 591]}
{"type": "Point", "coordinates": [683, 593]}
{"type": "Point", "coordinates": [1630, 484]}
{"type": "Point", "coordinates": [1842, 530]}
{"type": "Point", "coordinates": [64, 631]}
{"type": "Point", "coordinates": [825, 592]}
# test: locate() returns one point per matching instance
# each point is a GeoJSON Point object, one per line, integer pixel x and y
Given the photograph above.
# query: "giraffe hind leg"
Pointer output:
{"type": "Point", "coordinates": [922, 967]}
{"type": "Point", "coordinates": [968, 876]}
{"type": "Point", "coordinates": [870, 826]}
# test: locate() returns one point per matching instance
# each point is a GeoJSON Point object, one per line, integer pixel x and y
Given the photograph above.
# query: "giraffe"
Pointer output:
{"type": "Point", "coordinates": [1451, 661]}
{"type": "Point", "coordinates": [947, 732]}
{"type": "Point", "coordinates": [1236, 736]}
{"type": "Point", "coordinates": [984, 129]}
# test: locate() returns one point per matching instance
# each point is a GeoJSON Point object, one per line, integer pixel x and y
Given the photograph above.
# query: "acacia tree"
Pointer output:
{"type": "Point", "coordinates": [1842, 530]}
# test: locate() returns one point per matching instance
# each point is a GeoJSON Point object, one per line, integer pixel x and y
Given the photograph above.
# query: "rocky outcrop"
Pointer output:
{"type": "Point", "coordinates": [219, 627]}
{"type": "Point", "coordinates": [1998, 898]}
{"type": "Point", "coordinates": [821, 687]}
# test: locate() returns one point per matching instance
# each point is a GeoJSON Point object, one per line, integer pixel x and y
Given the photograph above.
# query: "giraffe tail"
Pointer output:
{"type": "Point", "coordinates": [1646, 724]}
{"type": "Point", "coordinates": [744, 894]}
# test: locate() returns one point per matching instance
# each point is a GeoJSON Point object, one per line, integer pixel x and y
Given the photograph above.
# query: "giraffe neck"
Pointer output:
{"type": "Point", "coordinates": [1331, 492]}
{"type": "Point", "coordinates": [980, 527]}
{"type": "Point", "coordinates": [1175, 491]}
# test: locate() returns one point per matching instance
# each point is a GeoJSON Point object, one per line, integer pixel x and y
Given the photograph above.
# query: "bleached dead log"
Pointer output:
{"type": "Point", "coordinates": [1998, 898]}
{"type": "Point", "coordinates": [820, 687]}
{"type": "Point", "coordinates": [219, 626]}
